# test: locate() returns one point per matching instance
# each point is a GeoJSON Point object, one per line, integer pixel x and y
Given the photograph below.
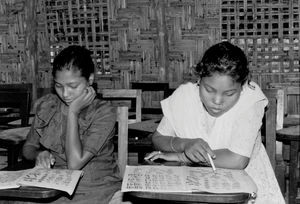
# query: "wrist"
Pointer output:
{"type": "Point", "coordinates": [73, 113]}
{"type": "Point", "coordinates": [182, 157]}
{"type": "Point", "coordinates": [172, 145]}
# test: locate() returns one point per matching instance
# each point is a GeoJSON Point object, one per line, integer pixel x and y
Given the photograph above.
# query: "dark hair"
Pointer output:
{"type": "Point", "coordinates": [224, 58]}
{"type": "Point", "coordinates": [76, 58]}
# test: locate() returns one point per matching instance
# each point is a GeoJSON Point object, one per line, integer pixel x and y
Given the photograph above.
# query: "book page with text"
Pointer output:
{"type": "Point", "coordinates": [8, 179]}
{"type": "Point", "coordinates": [151, 178]}
{"type": "Point", "coordinates": [60, 179]}
{"type": "Point", "coordinates": [154, 179]}
{"type": "Point", "coordinates": [204, 179]}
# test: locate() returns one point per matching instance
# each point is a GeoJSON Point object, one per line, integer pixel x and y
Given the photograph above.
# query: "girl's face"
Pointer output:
{"type": "Point", "coordinates": [219, 93]}
{"type": "Point", "coordinates": [69, 85]}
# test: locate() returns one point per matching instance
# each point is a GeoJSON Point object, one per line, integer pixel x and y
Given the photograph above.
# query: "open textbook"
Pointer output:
{"type": "Point", "coordinates": [60, 179]}
{"type": "Point", "coordinates": [186, 179]}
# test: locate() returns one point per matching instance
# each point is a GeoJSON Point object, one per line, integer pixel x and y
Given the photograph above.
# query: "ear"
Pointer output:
{"type": "Point", "coordinates": [198, 82]}
{"type": "Point", "coordinates": [91, 79]}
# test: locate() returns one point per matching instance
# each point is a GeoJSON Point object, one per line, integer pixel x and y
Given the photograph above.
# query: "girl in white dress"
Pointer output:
{"type": "Point", "coordinates": [220, 115]}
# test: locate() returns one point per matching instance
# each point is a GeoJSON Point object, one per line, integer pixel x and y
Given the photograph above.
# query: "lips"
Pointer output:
{"type": "Point", "coordinates": [215, 110]}
{"type": "Point", "coordinates": [68, 101]}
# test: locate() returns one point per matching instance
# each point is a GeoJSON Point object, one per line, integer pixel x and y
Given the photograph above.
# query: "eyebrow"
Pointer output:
{"type": "Point", "coordinates": [70, 83]}
{"type": "Point", "coordinates": [230, 90]}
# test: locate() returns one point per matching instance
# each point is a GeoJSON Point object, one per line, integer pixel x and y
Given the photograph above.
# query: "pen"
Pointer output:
{"type": "Point", "coordinates": [211, 162]}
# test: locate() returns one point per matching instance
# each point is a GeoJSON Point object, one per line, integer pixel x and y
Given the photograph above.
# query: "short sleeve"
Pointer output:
{"type": "Point", "coordinates": [101, 131]}
{"type": "Point", "coordinates": [246, 130]}
{"type": "Point", "coordinates": [33, 137]}
{"type": "Point", "coordinates": [165, 128]}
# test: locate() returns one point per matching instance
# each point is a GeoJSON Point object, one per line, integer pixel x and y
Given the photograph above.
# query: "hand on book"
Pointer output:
{"type": "Point", "coordinates": [168, 156]}
{"type": "Point", "coordinates": [45, 159]}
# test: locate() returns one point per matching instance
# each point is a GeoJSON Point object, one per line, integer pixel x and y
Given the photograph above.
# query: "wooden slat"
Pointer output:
{"type": "Point", "coordinates": [120, 93]}
{"type": "Point", "coordinates": [271, 131]}
{"type": "Point", "coordinates": [126, 94]}
{"type": "Point", "coordinates": [122, 117]}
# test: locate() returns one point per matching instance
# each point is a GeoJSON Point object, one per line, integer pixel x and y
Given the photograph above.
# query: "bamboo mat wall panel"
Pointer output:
{"type": "Point", "coordinates": [148, 40]}
{"type": "Point", "coordinates": [82, 22]}
{"type": "Point", "coordinates": [16, 60]}
{"type": "Point", "coordinates": [12, 42]}
{"type": "Point", "coordinates": [138, 27]}
{"type": "Point", "coordinates": [161, 40]}
{"type": "Point", "coordinates": [268, 31]}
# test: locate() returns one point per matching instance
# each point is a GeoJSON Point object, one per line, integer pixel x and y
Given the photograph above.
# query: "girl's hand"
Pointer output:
{"type": "Point", "coordinates": [196, 150]}
{"type": "Point", "coordinates": [163, 155]}
{"type": "Point", "coordinates": [45, 159]}
{"type": "Point", "coordinates": [84, 100]}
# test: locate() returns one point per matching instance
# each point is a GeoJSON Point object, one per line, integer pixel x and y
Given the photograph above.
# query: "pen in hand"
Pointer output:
{"type": "Point", "coordinates": [211, 163]}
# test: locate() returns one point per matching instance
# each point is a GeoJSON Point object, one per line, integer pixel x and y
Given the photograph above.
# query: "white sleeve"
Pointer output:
{"type": "Point", "coordinates": [246, 130]}
{"type": "Point", "coordinates": [165, 128]}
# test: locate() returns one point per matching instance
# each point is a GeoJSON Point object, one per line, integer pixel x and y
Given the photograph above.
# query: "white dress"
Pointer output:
{"type": "Point", "coordinates": [236, 130]}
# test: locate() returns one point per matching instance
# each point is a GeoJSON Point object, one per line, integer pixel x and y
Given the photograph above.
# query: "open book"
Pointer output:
{"type": "Point", "coordinates": [186, 179]}
{"type": "Point", "coordinates": [60, 179]}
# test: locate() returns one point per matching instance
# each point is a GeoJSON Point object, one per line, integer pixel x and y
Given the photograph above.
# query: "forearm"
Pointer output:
{"type": "Point", "coordinates": [74, 152]}
{"type": "Point", "coordinates": [230, 160]}
{"type": "Point", "coordinates": [224, 157]}
{"type": "Point", "coordinates": [30, 152]}
{"type": "Point", "coordinates": [168, 143]}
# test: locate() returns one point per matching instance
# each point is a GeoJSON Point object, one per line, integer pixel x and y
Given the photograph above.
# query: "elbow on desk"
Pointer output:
{"type": "Point", "coordinates": [230, 160]}
{"type": "Point", "coordinates": [29, 152]}
{"type": "Point", "coordinates": [239, 163]}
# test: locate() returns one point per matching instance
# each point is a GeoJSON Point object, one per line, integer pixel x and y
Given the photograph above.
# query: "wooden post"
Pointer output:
{"type": "Point", "coordinates": [31, 46]}
{"type": "Point", "coordinates": [122, 118]}
{"type": "Point", "coordinates": [163, 42]}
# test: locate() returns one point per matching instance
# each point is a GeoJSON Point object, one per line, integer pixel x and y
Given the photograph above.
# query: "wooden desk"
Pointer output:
{"type": "Point", "coordinates": [291, 136]}
{"type": "Point", "coordinates": [291, 121]}
{"type": "Point", "coordinates": [13, 140]}
{"type": "Point", "coordinates": [146, 125]}
{"type": "Point", "coordinates": [139, 137]}
{"type": "Point", "coordinates": [29, 193]}
{"type": "Point", "coordinates": [192, 197]}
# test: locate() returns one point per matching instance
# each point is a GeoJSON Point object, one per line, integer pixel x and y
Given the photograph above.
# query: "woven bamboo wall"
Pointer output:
{"type": "Point", "coordinates": [81, 22]}
{"type": "Point", "coordinates": [148, 40]}
{"type": "Point", "coordinates": [161, 40]}
{"type": "Point", "coordinates": [269, 33]}
{"type": "Point", "coordinates": [12, 42]}
{"type": "Point", "coordinates": [24, 56]}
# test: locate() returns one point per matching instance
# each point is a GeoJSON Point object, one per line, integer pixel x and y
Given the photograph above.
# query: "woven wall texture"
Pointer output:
{"type": "Point", "coordinates": [148, 40]}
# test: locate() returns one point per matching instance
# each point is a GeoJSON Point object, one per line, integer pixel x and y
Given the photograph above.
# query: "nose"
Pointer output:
{"type": "Point", "coordinates": [65, 92]}
{"type": "Point", "coordinates": [218, 100]}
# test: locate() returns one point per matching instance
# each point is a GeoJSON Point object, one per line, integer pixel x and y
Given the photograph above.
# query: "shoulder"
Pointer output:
{"type": "Point", "coordinates": [185, 89]}
{"type": "Point", "coordinates": [251, 101]}
{"type": "Point", "coordinates": [186, 86]}
{"type": "Point", "coordinates": [99, 108]}
{"type": "Point", "coordinates": [252, 93]}
{"type": "Point", "coordinates": [252, 89]}
{"type": "Point", "coordinates": [48, 101]}
{"type": "Point", "coordinates": [185, 95]}
{"type": "Point", "coordinates": [102, 105]}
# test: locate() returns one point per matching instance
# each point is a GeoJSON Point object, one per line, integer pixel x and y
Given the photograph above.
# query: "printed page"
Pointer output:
{"type": "Point", "coordinates": [204, 179]}
{"type": "Point", "coordinates": [60, 179]}
{"type": "Point", "coordinates": [186, 179]}
{"type": "Point", "coordinates": [8, 179]}
{"type": "Point", "coordinates": [154, 179]}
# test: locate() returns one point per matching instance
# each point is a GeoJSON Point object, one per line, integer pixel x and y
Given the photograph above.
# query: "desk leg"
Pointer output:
{"type": "Point", "coordinates": [12, 156]}
{"type": "Point", "coordinates": [293, 183]}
